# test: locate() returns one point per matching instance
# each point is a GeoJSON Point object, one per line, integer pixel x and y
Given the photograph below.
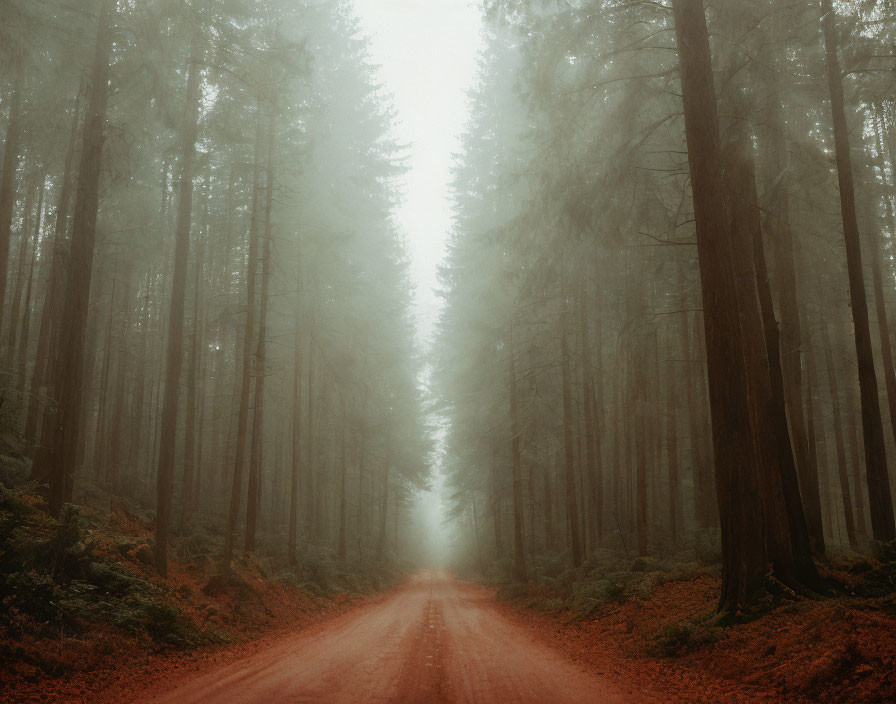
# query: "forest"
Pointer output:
{"type": "Point", "coordinates": [651, 427]}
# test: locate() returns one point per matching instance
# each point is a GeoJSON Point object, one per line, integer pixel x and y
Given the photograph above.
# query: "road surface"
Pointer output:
{"type": "Point", "coordinates": [435, 639]}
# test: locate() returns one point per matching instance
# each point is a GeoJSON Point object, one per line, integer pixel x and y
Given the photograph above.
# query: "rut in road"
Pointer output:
{"type": "Point", "coordinates": [436, 639]}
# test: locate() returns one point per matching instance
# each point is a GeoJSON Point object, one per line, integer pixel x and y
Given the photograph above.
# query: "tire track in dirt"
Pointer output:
{"type": "Point", "coordinates": [435, 639]}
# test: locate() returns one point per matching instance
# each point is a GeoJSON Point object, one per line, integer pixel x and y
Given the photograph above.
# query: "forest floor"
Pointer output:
{"type": "Point", "coordinates": [437, 639]}
{"type": "Point", "coordinates": [839, 649]}
{"type": "Point", "coordinates": [82, 609]}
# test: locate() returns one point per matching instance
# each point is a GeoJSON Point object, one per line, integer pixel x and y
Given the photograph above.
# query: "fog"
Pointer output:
{"type": "Point", "coordinates": [506, 286]}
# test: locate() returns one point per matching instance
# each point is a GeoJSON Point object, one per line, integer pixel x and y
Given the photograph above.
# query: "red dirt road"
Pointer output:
{"type": "Point", "coordinates": [433, 640]}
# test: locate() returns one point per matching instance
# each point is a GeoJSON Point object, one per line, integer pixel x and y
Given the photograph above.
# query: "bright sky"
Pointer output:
{"type": "Point", "coordinates": [427, 51]}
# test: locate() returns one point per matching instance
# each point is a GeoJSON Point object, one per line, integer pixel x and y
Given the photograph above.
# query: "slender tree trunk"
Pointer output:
{"type": "Point", "coordinates": [118, 410]}
{"type": "Point", "coordinates": [8, 176]}
{"type": "Point", "coordinates": [673, 459]}
{"type": "Point", "coordinates": [881, 501]}
{"type": "Point", "coordinates": [236, 488]}
{"type": "Point", "coordinates": [856, 457]}
{"type": "Point", "coordinates": [343, 471]}
{"type": "Point", "coordinates": [519, 557]}
{"type": "Point", "coordinates": [572, 504]}
{"type": "Point", "coordinates": [591, 472]}
{"type": "Point", "coordinates": [296, 451]}
{"type": "Point", "coordinates": [496, 502]}
{"type": "Point", "coordinates": [50, 315]}
{"type": "Point", "coordinates": [174, 355]}
{"type": "Point", "coordinates": [548, 505]}
{"type": "Point", "coordinates": [836, 419]}
{"type": "Point", "coordinates": [187, 492]}
{"type": "Point", "coordinates": [310, 516]}
{"type": "Point", "coordinates": [781, 239]}
{"type": "Point", "coordinates": [255, 460]}
{"type": "Point", "coordinates": [641, 440]}
{"type": "Point", "coordinates": [15, 308]}
{"type": "Point", "coordinates": [384, 504]}
{"type": "Point", "coordinates": [25, 338]}
{"type": "Point", "coordinates": [99, 436]}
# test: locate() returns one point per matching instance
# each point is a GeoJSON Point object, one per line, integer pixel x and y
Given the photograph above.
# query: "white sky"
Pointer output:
{"type": "Point", "coordinates": [427, 51]}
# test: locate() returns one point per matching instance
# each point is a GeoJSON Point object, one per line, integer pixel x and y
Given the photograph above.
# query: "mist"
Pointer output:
{"type": "Point", "coordinates": [448, 324]}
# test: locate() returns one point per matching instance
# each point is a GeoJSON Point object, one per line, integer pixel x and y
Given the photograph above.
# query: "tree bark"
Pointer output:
{"type": "Point", "coordinates": [189, 473]}
{"type": "Point", "coordinates": [8, 176]}
{"type": "Point", "coordinates": [881, 501]}
{"type": "Point", "coordinates": [572, 503]}
{"type": "Point", "coordinates": [60, 460]}
{"type": "Point", "coordinates": [842, 472]}
{"type": "Point", "coordinates": [296, 451]}
{"type": "Point", "coordinates": [255, 458]}
{"type": "Point", "coordinates": [737, 475]}
{"type": "Point", "coordinates": [519, 556]}
{"type": "Point", "coordinates": [174, 355]}
{"type": "Point", "coordinates": [236, 488]}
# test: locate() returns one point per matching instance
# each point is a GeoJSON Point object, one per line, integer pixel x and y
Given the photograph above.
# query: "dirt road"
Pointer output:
{"type": "Point", "coordinates": [435, 639]}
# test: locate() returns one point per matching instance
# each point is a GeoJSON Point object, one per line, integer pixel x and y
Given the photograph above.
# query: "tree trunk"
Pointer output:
{"type": "Point", "coordinates": [572, 504]}
{"type": "Point", "coordinates": [48, 333]}
{"type": "Point", "coordinates": [881, 501]}
{"type": "Point", "coordinates": [595, 516]}
{"type": "Point", "coordinates": [780, 237]}
{"type": "Point", "coordinates": [737, 475]}
{"type": "Point", "coordinates": [343, 471]}
{"type": "Point", "coordinates": [836, 419]}
{"type": "Point", "coordinates": [548, 505]}
{"type": "Point", "coordinates": [236, 488]}
{"type": "Point", "coordinates": [255, 458]}
{"type": "Point", "coordinates": [296, 452]}
{"type": "Point", "coordinates": [187, 493]}
{"type": "Point", "coordinates": [60, 460]}
{"type": "Point", "coordinates": [174, 355]}
{"type": "Point", "coordinates": [310, 517]}
{"type": "Point", "coordinates": [496, 503]}
{"type": "Point", "coordinates": [8, 177]}
{"type": "Point", "coordinates": [15, 308]}
{"type": "Point", "coordinates": [519, 557]}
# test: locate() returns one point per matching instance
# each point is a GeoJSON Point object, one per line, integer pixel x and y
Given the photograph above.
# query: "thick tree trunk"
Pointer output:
{"type": "Point", "coordinates": [174, 355]}
{"type": "Point", "coordinates": [60, 460]}
{"type": "Point", "coordinates": [881, 501]}
{"type": "Point", "coordinates": [737, 475]}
